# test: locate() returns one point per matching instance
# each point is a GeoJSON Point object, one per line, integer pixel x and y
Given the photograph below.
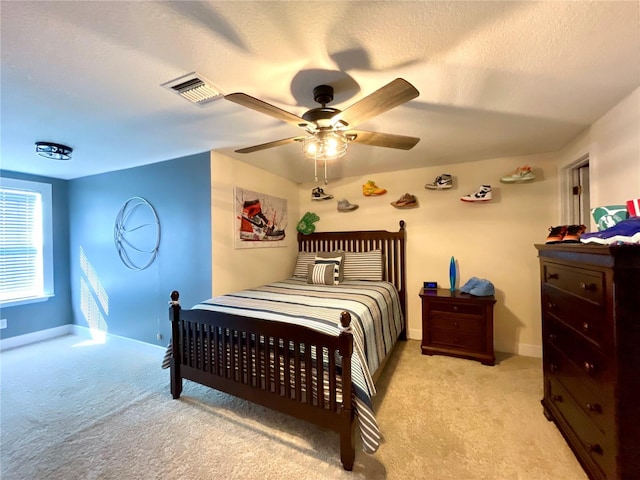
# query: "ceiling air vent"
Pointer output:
{"type": "Point", "coordinates": [195, 88]}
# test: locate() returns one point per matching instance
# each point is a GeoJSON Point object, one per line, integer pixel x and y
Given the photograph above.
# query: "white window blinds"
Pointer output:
{"type": "Point", "coordinates": [22, 242]}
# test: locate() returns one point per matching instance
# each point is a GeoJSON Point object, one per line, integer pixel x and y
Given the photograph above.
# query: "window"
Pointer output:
{"type": "Point", "coordinates": [26, 247]}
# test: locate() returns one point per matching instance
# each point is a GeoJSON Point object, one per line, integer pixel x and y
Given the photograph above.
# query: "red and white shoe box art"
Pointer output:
{"type": "Point", "coordinates": [633, 207]}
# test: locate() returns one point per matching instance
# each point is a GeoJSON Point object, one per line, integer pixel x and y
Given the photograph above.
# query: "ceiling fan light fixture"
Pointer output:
{"type": "Point", "coordinates": [325, 145]}
{"type": "Point", "coordinates": [54, 151]}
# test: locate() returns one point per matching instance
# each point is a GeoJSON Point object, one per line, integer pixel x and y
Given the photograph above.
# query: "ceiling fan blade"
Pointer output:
{"type": "Point", "coordinates": [264, 146]}
{"type": "Point", "coordinates": [266, 108]}
{"type": "Point", "coordinates": [388, 140]}
{"type": "Point", "coordinates": [391, 95]}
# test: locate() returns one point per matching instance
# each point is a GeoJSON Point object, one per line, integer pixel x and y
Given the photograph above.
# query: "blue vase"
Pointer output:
{"type": "Point", "coordinates": [452, 274]}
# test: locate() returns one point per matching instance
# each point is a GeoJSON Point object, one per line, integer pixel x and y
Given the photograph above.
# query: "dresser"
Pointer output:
{"type": "Point", "coordinates": [590, 304]}
{"type": "Point", "coordinates": [457, 324]}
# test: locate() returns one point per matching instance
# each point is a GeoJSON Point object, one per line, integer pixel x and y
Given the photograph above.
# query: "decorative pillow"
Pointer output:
{"type": "Point", "coordinates": [321, 273]}
{"type": "Point", "coordinates": [364, 265]}
{"type": "Point", "coordinates": [301, 263]}
{"type": "Point", "coordinates": [337, 253]}
{"type": "Point", "coordinates": [335, 262]}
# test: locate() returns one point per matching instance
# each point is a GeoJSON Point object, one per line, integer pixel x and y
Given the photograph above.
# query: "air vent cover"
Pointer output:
{"type": "Point", "coordinates": [195, 88]}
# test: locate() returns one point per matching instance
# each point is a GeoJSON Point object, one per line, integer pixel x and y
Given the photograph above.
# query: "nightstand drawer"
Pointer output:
{"type": "Point", "coordinates": [459, 340]}
{"type": "Point", "coordinates": [458, 308]}
{"type": "Point", "coordinates": [460, 324]}
{"type": "Point", "coordinates": [587, 284]}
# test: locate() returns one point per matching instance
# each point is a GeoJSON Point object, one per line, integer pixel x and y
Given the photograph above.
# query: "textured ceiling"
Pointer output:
{"type": "Point", "coordinates": [495, 78]}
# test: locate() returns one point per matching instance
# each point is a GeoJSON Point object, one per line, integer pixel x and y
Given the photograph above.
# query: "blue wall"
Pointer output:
{"type": "Point", "coordinates": [134, 304]}
{"type": "Point", "coordinates": [56, 311]}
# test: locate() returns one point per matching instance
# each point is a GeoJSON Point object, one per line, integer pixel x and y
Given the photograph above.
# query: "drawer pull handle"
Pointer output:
{"type": "Point", "coordinates": [553, 367]}
{"type": "Point", "coordinates": [594, 407]}
{"type": "Point", "coordinates": [588, 367]}
{"type": "Point", "coordinates": [586, 326]}
{"type": "Point", "coordinates": [553, 276]}
{"type": "Point", "coordinates": [551, 305]}
{"type": "Point", "coordinates": [455, 309]}
{"type": "Point", "coordinates": [587, 286]}
{"type": "Point", "coordinates": [456, 324]}
{"type": "Point", "coordinates": [556, 398]}
{"type": "Point", "coordinates": [552, 337]}
{"type": "Point", "coordinates": [595, 448]}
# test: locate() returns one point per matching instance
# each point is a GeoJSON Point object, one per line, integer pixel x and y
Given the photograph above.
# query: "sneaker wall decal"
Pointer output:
{"type": "Point", "coordinates": [345, 206]}
{"type": "Point", "coordinates": [318, 194]}
{"type": "Point", "coordinates": [406, 201]}
{"type": "Point", "coordinates": [441, 182]}
{"type": "Point", "coordinates": [370, 189]}
{"type": "Point", "coordinates": [520, 174]}
{"type": "Point", "coordinates": [483, 194]}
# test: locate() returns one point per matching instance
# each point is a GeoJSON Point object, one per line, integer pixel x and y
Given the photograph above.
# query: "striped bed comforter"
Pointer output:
{"type": "Point", "coordinates": [376, 323]}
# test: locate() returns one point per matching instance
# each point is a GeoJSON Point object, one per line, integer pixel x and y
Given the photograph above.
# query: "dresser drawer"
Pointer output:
{"type": "Point", "coordinates": [582, 315]}
{"type": "Point", "coordinates": [456, 340]}
{"type": "Point", "coordinates": [588, 284]}
{"type": "Point", "coordinates": [595, 402]}
{"type": "Point", "coordinates": [594, 446]}
{"type": "Point", "coordinates": [594, 366]}
{"type": "Point", "coordinates": [462, 324]}
{"type": "Point", "coordinates": [455, 308]}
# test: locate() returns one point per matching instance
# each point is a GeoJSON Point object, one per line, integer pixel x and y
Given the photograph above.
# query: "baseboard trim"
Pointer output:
{"type": "Point", "coordinates": [77, 330]}
{"type": "Point", "coordinates": [522, 349]}
{"type": "Point", "coordinates": [34, 337]}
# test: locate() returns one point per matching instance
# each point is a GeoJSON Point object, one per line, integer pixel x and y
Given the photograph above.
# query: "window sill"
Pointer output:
{"type": "Point", "coordinates": [25, 301]}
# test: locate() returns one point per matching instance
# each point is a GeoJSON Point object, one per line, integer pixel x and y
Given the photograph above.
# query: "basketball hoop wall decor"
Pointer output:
{"type": "Point", "coordinates": [136, 233]}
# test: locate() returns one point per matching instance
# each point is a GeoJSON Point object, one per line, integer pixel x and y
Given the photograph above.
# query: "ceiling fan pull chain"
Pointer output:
{"type": "Point", "coordinates": [326, 182]}
{"type": "Point", "coordinates": [315, 169]}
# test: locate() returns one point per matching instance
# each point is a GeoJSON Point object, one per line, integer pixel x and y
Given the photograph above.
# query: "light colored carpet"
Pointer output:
{"type": "Point", "coordinates": [71, 410]}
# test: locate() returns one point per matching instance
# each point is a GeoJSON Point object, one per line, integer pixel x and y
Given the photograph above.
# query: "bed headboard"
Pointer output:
{"type": "Point", "coordinates": [392, 245]}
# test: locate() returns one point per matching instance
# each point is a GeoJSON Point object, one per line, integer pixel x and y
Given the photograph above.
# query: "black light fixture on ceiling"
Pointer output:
{"type": "Point", "coordinates": [54, 151]}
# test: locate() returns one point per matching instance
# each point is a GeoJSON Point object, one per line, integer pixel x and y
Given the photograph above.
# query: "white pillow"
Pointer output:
{"type": "Point", "coordinates": [304, 258]}
{"type": "Point", "coordinates": [363, 265]}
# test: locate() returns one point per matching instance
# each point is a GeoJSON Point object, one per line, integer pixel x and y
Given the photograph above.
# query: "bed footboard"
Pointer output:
{"type": "Point", "coordinates": [289, 368]}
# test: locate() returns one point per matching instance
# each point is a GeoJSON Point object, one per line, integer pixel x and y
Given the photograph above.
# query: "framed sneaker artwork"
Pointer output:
{"type": "Point", "coordinates": [260, 219]}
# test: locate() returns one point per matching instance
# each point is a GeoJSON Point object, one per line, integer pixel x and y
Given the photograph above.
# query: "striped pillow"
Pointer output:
{"type": "Point", "coordinates": [335, 262]}
{"type": "Point", "coordinates": [301, 263]}
{"type": "Point", "coordinates": [363, 265]}
{"type": "Point", "coordinates": [337, 253]}
{"type": "Point", "coordinates": [321, 273]}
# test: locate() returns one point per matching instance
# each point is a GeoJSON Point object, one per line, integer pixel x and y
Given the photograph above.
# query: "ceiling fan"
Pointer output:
{"type": "Point", "coordinates": [329, 130]}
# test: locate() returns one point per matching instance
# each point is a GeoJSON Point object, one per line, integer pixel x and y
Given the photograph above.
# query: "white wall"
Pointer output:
{"type": "Point", "coordinates": [492, 240]}
{"type": "Point", "coordinates": [613, 146]}
{"type": "Point", "coordinates": [235, 269]}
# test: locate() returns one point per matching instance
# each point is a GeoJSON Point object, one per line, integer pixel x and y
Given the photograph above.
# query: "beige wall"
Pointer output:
{"type": "Point", "coordinates": [493, 240]}
{"type": "Point", "coordinates": [235, 269]}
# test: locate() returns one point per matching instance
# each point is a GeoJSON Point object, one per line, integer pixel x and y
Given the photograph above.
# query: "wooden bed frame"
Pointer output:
{"type": "Point", "coordinates": [247, 357]}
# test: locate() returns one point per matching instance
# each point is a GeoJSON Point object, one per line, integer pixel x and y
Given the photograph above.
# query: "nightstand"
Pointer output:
{"type": "Point", "coordinates": [457, 324]}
